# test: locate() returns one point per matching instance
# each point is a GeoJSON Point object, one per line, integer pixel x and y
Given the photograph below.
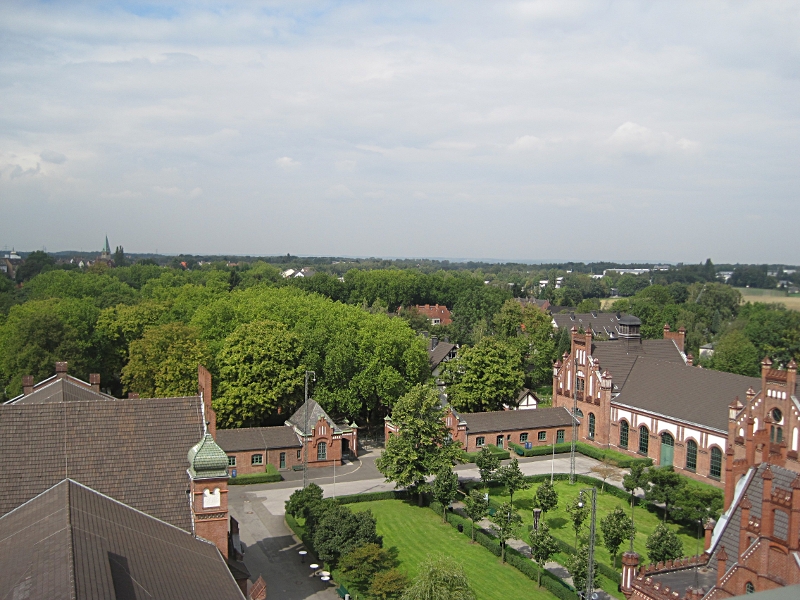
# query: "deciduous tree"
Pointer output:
{"type": "Point", "coordinates": [578, 513]}
{"type": "Point", "coordinates": [445, 488]}
{"type": "Point", "coordinates": [476, 507]}
{"type": "Point", "coordinates": [663, 544]}
{"type": "Point", "coordinates": [512, 478]}
{"type": "Point", "coordinates": [363, 563]}
{"type": "Point", "coordinates": [440, 578]}
{"type": "Point", "coordinates": [617, 528]}
{"type": "Point", "coordinates": [546, 497]}
{"type": "Point", "coordinates": [507, 524]}
{"type": "Point", "coordinates": [487, 462]}
{"type": "Point", "coordinates": [388, 585]}
{"type": "Point", "coordinates": [578, 567]}
{"type": "Point", "coordinates": [543, 547]}
{"type": "Point", "coordinates": [341, 530]}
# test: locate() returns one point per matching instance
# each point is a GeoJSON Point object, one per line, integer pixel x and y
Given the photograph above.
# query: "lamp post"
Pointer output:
{"type": "Point", "coordinates": [313, 377]}
{"type": "Point", "coordinates": [592, 524]}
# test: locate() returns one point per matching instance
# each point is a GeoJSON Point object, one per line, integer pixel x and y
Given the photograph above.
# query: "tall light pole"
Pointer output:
{"type": "Point", "coordinates": [590, 563]}
{"type": "Point", "coordinates": [313, 377]}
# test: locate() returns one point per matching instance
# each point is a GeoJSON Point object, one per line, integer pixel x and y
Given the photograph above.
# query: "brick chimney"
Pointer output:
{"type": "Point", "coordinates": [94, 381]}
{"type": "Point", "coordinates": [708, 526]}
{"type": "Point", "coordinates": [690, 360]}
{"type": "Point", "coordinates": [61, 370]}
{"type": "Point", "coordinates": [722, 563]}
{"type": "Point", "coordinates": [679, 337]}
{"type": "Point", "coordinates": [27, 384]}
{"type": "Point", "coordinates": [133, 395]}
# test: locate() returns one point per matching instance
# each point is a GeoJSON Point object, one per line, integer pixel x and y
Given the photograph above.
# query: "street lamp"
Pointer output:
{"type": "Point", "coordinates": [590, 564]}
{"type": "Point", "coordinates": [313, 377]}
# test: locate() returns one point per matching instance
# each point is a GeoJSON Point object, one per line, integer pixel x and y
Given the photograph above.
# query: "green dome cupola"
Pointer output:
{"type": "Point", "coordinates": [207, 460]}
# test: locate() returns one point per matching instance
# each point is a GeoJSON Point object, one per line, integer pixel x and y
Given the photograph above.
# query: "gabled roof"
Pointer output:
{"type": "Point", "coordinates": [133, 450]}
{"type": "Point", "coordinates": [619, 356]}
{"type": "Point", "coordinates": [72, 542]}
{"type": "Point", "coordinates": [692, 394]}
{"type": "Point", "coordinates": [258, 438]}
{"type": "Point", "coordinates": [509, 420]}
{"type": "Point", "coordinates": [439, 353]}
{"type": "Point", "coordinates": [68, 389]}
{"type": "Point", "coordinates": [315, 413]}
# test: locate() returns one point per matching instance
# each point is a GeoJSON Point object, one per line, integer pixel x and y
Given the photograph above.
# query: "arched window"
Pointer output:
{"type": "Point", "coordinates": [623, 434]}
{"type": "Point", "coordinates": [749, 588]}
{"type": "Point", "coordinates": [644, 439]}
{"type": "Point", "coordinates": [716, 463]}
{"type": "Point", "coordinates": [691, 455]}
{"type": "Point", "coordinates": [591, 426]}
{"type": "Point", "coordinates": [322, 451]}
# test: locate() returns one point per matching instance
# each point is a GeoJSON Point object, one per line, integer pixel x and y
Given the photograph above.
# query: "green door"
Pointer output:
{"type": "Point", "coordinates": [667, 449]}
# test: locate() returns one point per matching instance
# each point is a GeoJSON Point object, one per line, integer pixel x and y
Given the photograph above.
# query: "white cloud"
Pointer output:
{"type": "Point", "coordinates": [631, 138]}
{"type": "Point", "coordinates": [52, 156]}
{"type": "Point", "coordinates": [526, 142]}
{"type": "Point", "coordinates": [287, 163]}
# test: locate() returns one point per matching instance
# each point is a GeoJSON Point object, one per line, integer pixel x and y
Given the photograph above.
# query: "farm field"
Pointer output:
{"type": "Point", "coordinates": [770, 296]}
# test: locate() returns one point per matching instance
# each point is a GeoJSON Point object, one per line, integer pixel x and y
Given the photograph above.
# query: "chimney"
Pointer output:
{"type": "Point", "coordinates": [133, 396]}
{"type": "Point", "coordinates": [767, 514]}
{"type": "Point", "coordinates": [689, 360]}
{"type": "Point", "coordinates": [204, 390]}
{"type": "Point", "coordinates": [709, 531]}
{"type": "Point", "coordinates": [27, 384]}
{"type": "Point", "coordinates": [61, 370]}
{"type": "Point", "coordinates": [94, 381]}
{"type": "Point", "coordinates": [630, 562]}
{"type": "Point", "coordinates": [722, 563]}
{"type": "Point", "coordinates": [791, 375]}
{"type": "Point", "coordinates": [434, 341]}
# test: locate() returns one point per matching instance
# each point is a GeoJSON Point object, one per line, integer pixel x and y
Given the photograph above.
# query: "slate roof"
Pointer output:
{"type": "Point", "coordinates": [506, 420]}
{"type": "Point", "coordinates": [70, 542]}
{"type": "Point", "coordinates": [258, 438]}
{"type": "Point", "coordinates": [133, 450]}
{"type": "Point", "coordinates": [600, 322]}
{"type": "Point", "coordinates": [315, 413]}
{"type": "Point", "coordinates": [61, 390]}
{"type": "Point", "coordinates": [439, 353]}
{"type": "Point", "coordinates": [619, 356]}
{"type": "Point", "coordinates": [691, 394]}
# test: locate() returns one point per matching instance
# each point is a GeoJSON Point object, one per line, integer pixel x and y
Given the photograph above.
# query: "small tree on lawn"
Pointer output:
{"type": "Point", "coordinates": [362, 564]}
{"type": "Point", "coordinates": [543, 547]}
{"type": "Point", "coordinates": [665, 487]}
{"type": "Point", "coordinates": [487, 463]}
{"type": "Point", "coordinates": [301, 500]}
{"type": "Point", "coordinates": [605, 470]}
{"type": "Point", "coordinates": [445, 488]}
{"type": "Point", "coordinates": [637, 478]}
{"type": "Point", "coordinates": [578, 567]}
{"type": "Point", "coordinates": [578, 513]}
{"type": "Point", "coordinates": [341, 531]}
{"type": "Point", "coordinates": [507, 524]}
{"type": "Point", "coordinates": [388, 585]}
{"type": "Point", "coordinates": [512, 478]}
{"type": "Point", "coordinates": [617, 528]}
{"type": "Point", "coordinates": [663, 545]}
{"type": "Point", "coordinates": [546, 497]}
{"type": "Point", "coordinates": [440, 578]}
{"type": "Point", "coordinates": [476, 507]}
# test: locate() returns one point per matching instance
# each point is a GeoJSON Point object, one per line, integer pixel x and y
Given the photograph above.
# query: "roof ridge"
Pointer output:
{"type": "Point", "coordinates": [71, 545]}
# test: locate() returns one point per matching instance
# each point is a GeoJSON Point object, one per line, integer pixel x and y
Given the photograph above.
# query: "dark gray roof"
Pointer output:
{"type": "Point", "coordinates": [133, 450]}
{"type": "Point", "coordinates": [71, 542]}
{"type": "Point", "coordinates": [61, 390]}
{"type": "Point", "coordinates": [618, 356]}
{"type": "Point", "coordinates": [688, 393]}
{"type": "Point", "coordinates": [600, 322]}
{"type": "Point", "coordinates": [258, 438]}
{"type": "Point", "coordinates": [630, 320]}
{"type": "Point", "coordinates": [505, 420]}
{"type": "Point", "coordinates": [439, 353]}
{"type": "Point", "coordinates": [315, 413]}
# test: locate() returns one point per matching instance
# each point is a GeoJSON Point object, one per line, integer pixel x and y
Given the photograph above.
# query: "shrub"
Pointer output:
{"type": "Point", "coordinates": [270, 475]}
{"type": "Point", "coordinates": [470, 457]}
{"type": "Point", "coordinates": [618, 459]}
{"type": "Point", "coordinates": [373, 496]}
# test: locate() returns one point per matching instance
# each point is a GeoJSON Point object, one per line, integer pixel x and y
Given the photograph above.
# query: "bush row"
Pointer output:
{"type": "Point", "coordinates": [618, 459]}
{"type": "Point", "coordinates": [470, 457]}
{"type": "Point", "coordinates": [373, 496]}
{"type": "Point", "coordinates": [270, 475]}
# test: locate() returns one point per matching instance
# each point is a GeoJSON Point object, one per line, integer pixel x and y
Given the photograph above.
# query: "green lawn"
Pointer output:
{"type": "Point", "coordinates": [419, 532]}
{"type": "Point", "coordinates": [561, 526]}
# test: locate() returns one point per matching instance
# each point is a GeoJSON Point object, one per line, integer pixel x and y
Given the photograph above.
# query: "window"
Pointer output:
{"type": "Point", "coordinates": [581, 384]}
{"type": "Point", "coordinates": [777, 415]}
{"type": "Point", "coordinates": [257, 459]}
{"type": "Point", "coordinates": [282, 460]}
{"type": "Point", "coordinates": [231, 461]}
{"type": "Point", "coordinates": [591, 426]}
{"type": "Point", "coordinates": [523, 437]}
{"type": "Point", "coordinates": [499, 441]}
{"type": "Point", "coordinates": [480, 440]}
{"type": "Point", "coordinates": [322, 451]}
{"type": "Point", "coordinates": [542, 436]}
{"type": "Point", "coordinates": [775, 434]}
{"type": "Point", "coordinates": [716, 463]}
{"type": "Point", "coordinates": [299, 454]}
{"type": "Point", "coordinates": [644, 439]}
{"type": "Point", "coordinates": [749, 588]}
{"type": "Point", "coordinates": [435, 321]}
{"type": "Point", "coordinates": [691, 455]}
{"type": "Point", "coordinates": [560, 436]}
{"type": "Point", "coordinates": [624, 430]}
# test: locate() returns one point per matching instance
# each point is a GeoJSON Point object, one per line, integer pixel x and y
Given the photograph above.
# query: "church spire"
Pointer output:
{"type": "Point", "coordinates": [106, 248]}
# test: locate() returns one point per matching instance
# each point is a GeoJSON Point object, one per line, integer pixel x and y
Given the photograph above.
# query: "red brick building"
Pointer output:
{"type": "Point", "coordinates": [436, 314]}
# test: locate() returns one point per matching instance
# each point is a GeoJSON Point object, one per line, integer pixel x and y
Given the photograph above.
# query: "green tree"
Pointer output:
{"type": "Point", "coordinates": [119, 258]}
{"type": "Point", "coordinates": [440, 578]}
{"type": "Point", "coordinates": [617, 528]}
{"type": "Point", "coordinates": [445, 488]}
{"type": "Point", "coordinates": [507, 524]}
{"type": "Point", "coordinates": [340, 531]}
{"type": "Point", "coordinates": [301, 500]}
{"type": "Point", "coordinates": [36, 262]}
{"type": "Point", "coordinates": [363, 563]}
{"type": "Point", "coordinates": [543, 547]}
{"type": "Point", "coordinates": [695, 503]}
{"type": "Point", "coordinates": [422, 445]}
{"type": "Point", "coordinates": [512, 478]}
{"type": "Point", "coordinates": [665, 487]}
{"type": "Point", "coordinates": [529, 330]}
{"type": "Point", "coordinates": [735, 353]}
{"type": "Point", "coordinates": [163, 363]}
{"type": "Point", "coordinates": [477, 507]}
{"type": "Point", "coordinates": [487, 462]}
{"type": "Point", "coordinates": [578, 513]}
{"type": "Point", "coordinates": [388, 585]}
{"type": "Point", "coordinates": [484, 377]}
{"type": "Point", "coordinates": [663, 545]}
{"type": "Point", "coordinates": [546, 497]}
{"type": "Point", "coordinates": [261, 372]}
{"type": "Point", "coordinates": [578, 567]}
{"type": "Point", "coordinates": [636, 478]}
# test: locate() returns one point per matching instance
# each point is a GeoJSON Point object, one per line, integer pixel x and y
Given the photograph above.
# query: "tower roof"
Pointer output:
{"type": "Point", "coordinates": [107, 248]}
{"type": "Point", "coordinates": [207, 459]}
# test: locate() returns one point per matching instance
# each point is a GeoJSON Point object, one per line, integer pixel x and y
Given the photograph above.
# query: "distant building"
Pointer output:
{"type": "Point", "coordinates": [9, 263]}
{"type": "Point", "coordinates": [435, 313]}
{"type": "Point", "coordinates": [439, 353]}
{"type": "Point", "coordinates": [105, 255]}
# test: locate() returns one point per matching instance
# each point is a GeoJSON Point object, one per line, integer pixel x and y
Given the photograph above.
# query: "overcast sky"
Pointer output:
{"type": "Point", "coordinates": [523, 130]}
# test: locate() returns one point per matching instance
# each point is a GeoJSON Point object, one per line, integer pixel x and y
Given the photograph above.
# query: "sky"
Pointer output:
{"type": "Point", "coordinates": [539, 130]}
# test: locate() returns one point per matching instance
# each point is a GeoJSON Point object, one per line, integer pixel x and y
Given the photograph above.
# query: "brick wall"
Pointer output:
{"type": "Point", "coordinates": [472, 439]}
{"type": "Point", "coordinates": [244, 460]}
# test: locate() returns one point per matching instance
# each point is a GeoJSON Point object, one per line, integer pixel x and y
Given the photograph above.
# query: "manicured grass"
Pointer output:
{"type": "Point", "coordinates": [418, 533]}
{"type": "Point", "coordinates": [561, 525]}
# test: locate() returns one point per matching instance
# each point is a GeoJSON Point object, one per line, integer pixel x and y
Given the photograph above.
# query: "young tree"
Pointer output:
{"type": "Point", "coordinates": [363, 563]}
{"type": "Point", "coordinates": [578, 512]}
{"type": "Point", "coordinates": [340, 531]}
{"type": "Point", "coordinates": [617, 528]}
{"type": "Point", "coordinates": [578, 567]}
{"type": "Point", "coordinates": [512, 478]}
{"type": "Point", "coordinates": [663, 544]}
{"type": "Point", "coordinates": [487, 463]}
{"type": "Point", "coordinates": [445, 488]}
{"type": "Point", "coordinates": [605, 470]}
{"type": "Point", "coordinates": [543, 546]}
{"type": "Point", "coordinates": [546, 497]}
{"type": "Point", "coordinates": [422, 445]}
{"type": "Point", "coordinates": [665, 487]}
{"type": "Point", "coordinates": [637, 478]}
{"type": "Point", "coordinates": [388, 585]}
{"type": "Point", "coordinates": [476, 507]}
{"type": "Point", "coordinates": [440, 578]}
{"type": "Point", "coordinates": [507, 524]}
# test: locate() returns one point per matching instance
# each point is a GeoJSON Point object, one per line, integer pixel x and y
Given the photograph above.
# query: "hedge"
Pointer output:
{"type": "Point", "coordinates": [270, 475]}
{"type": "Point", "coordinates": [373, 496]}
{"type": "Point", "coordinates": [470, 457]}
{"type": "Point", "coordinates": [618, 459]}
